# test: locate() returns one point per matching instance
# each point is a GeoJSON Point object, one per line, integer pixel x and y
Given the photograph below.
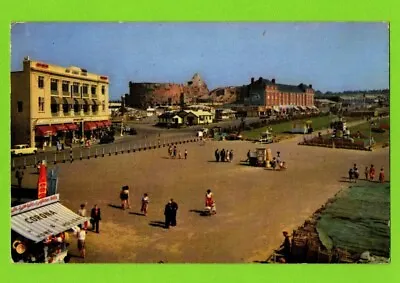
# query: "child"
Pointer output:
{"type": "Point", "coordinates": [351, 174]}
{"type": "Point", "coordinates": [372, 173]}
{"type": "Point", "coordinates": [186, 153]}
{"type": "Point", "coordinates": [366, 172]}
{"type": "Point", "coordinates": [382, 176]}
{"type": "Point", "coordinates": [356, 173]}
{"type": "Point", "coordinates": [145, 204]}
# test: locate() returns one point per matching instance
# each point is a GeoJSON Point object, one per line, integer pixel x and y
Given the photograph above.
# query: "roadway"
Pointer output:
{"type": "Point", "coordinates": [147, 134]}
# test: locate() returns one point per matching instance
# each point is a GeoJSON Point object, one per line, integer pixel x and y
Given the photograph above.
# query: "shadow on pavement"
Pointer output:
{"type": "Point", "coordinates": [160, 224]}
{"type": "Point", "coordinates": [115, 206]}
{"type": "Point", "coordinates": [199, 212]}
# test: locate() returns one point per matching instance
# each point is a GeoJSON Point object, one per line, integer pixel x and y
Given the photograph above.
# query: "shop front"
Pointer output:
{"type": "Point", "coordinates": [44, 136]}
{"type": "Point", "coordinates": [41, 229]}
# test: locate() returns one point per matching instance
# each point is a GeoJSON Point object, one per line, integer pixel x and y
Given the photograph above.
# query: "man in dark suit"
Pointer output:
{"type": "Point", "coordinates": [174, 206]}
{"type": "Point", "coordinates": [95, 218]}
{"type": "Point", "coordinates": [168, 214]}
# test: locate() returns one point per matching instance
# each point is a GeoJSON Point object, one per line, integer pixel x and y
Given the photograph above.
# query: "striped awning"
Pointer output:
{"type": "Point", "coordinates": [96, 102]}
{"type": "Point", "coordinates": [39, 223]}
{"type": "Point", "coordinates": [56, 100]}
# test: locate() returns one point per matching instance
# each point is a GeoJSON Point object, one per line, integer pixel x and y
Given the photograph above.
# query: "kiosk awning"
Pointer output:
{"type": "Point", "coordinates": [37, 220]}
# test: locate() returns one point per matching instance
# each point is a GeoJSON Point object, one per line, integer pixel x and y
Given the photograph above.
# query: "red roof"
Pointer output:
{"type": "Point", "coordinates": [45, 131]}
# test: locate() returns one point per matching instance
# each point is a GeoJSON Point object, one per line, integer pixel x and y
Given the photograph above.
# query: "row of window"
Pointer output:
{"type": "Point", "coordinates": [74, 89]}
{"type": "Point", "coordinates": [41, 106]}
{"type": "Point", "coordinates": [77, 108]}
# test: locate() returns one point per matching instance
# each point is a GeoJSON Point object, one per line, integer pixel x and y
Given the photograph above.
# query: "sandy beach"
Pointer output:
{"type": "Point", "coordinates": [254, 204]}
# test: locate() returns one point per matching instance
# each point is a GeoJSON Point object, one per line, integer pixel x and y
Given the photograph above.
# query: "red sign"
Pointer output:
{"type": "Point", "coordinates": [103, 78]}
{"type": "Point", "coordinates": [34, 204]}
{"type": "Point", "coordinates": [42, 182]}
{"type": "Point", "coordinates": [41, 65]}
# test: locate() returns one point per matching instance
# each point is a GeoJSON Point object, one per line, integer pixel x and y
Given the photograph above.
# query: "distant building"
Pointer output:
{"type": "Point", "coordinates": [148, 94]}
{"type": "Point", "coordinates": [114, 106]}
{"type": "Point", "coordinates": [268, 96]}
{"type": "Point", "coordinates": [186, 117]}
{"type": "Point", "coordinates": [50, 102]}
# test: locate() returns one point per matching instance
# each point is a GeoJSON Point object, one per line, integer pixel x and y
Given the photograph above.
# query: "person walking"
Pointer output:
{"type": "Point", "coordinates": [222, 155]}
{"type": "Point", "coordinates": [124, 196]}
{"type": "Point", "coordinates": [95, 218]}
{"type": "Point", "coordinates": [216, 155]}
{"type": "Point", "coordinates": [231, 155]}
{"type": "Point", "coordinates": [382, 176]}
{"type": "Point", "coordinates": [186, 153]}
{"type": "Point", "coordinates": [372, 173]}
{"type": "Point", "coordinates": [179, 154]}
{"type": "Point", "coordinates": [82, 212]}
{"type": "Point", "coordinates": [168, 214]}
{"type": "Point", "coordinates": [81, 235]}
{"type": "Point", "coordinates": [366, 172]}
{"type": "Point", "coordinates": [170, 151]}
{"type": "Point", "coordinates": [19, 174]}
{"type": "Point", "coordinates": [356, 173]}
{"type": "Point", "coordinates": [145, 204]}
{"type": "Point", "coordinates": [248, 156]}
{"type": "Point", "coordinates": [227, 154]}
{"type": "Point", "coordinates": [351, 175]}
{"type": "Point", "coordinates": [174, 152]}
{"type": "Point", "coordinates": [174, 212]}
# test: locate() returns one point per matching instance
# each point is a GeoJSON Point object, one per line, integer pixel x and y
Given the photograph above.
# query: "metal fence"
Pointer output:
{"type": "Point", "coordinates": [84, 153]}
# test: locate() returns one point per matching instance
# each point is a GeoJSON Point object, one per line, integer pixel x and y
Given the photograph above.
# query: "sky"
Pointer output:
{"type": "Point", "coordinates": [330, 56]}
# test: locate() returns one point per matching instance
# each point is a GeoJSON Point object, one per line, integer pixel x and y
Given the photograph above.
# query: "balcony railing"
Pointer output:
{"type": "Point", "coordinates": [76, 94]}
{"type": "Point", "coordinates": [54, 92]}
{"type": "Point", "coordinates": [66, 93]}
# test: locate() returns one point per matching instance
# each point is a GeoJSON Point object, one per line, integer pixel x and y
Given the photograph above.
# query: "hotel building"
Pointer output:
{"type": "Point", "coordinates": [50, 102]}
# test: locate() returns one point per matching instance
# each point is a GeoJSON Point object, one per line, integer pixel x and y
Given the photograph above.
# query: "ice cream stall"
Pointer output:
{"type": "Point", "coordinates": [40, 230]}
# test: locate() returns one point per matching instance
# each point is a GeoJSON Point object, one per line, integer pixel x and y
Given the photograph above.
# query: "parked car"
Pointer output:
{"type": "Point", "coordinates": [23, 149]}
{"type": "Point", "coordinates": [107, 139]}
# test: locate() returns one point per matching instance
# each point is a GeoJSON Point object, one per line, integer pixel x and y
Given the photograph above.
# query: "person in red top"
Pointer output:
{"type": "Point", "coordinates": [372, 172]}
{"type": "Point", "coordinates": [210, 204]}
{"type": "Point", "coordinates": [382, 176]}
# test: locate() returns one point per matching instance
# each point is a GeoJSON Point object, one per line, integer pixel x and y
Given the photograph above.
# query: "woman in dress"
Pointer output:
{"type": "Point", "coordinates": [382, 176]}
{"type": "Point", "coordinates": [124, 196]}
{"type": "Point", "coordinates": [372, 173]}
{"type": "Point", "coordinates": [145, 204]}
{"type": "Point", "coordinates": [210, 203]}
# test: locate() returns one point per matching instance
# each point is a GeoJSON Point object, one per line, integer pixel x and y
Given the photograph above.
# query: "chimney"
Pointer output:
{"type": "Point", "coordinates": [273, 81]}
{"type": "Point", "coordinates": [252, 80]}
{"type": "Point", "coordinates": [310, 86]}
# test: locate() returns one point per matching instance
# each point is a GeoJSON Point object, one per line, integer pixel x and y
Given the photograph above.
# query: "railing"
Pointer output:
{"type": "Point", "coordinates": [97, 152]}
{"type": "Point", "coordinates": [66, 93]}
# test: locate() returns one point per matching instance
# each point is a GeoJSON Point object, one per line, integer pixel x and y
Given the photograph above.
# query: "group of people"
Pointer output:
{"type": "Point", "coordinates": [125, 204]}
{"type": "Point", "coordinates": [95, 218]}
{"type": "Point", "coordinates": [173, 152]}
{"type": "Point", "coordinates": [369, 173]}
{"type": "Point", "coordinates": [223, 155]}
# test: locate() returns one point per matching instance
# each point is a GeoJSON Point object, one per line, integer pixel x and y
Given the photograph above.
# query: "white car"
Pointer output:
{"type": "Point", "coordinates": [23, 149]}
